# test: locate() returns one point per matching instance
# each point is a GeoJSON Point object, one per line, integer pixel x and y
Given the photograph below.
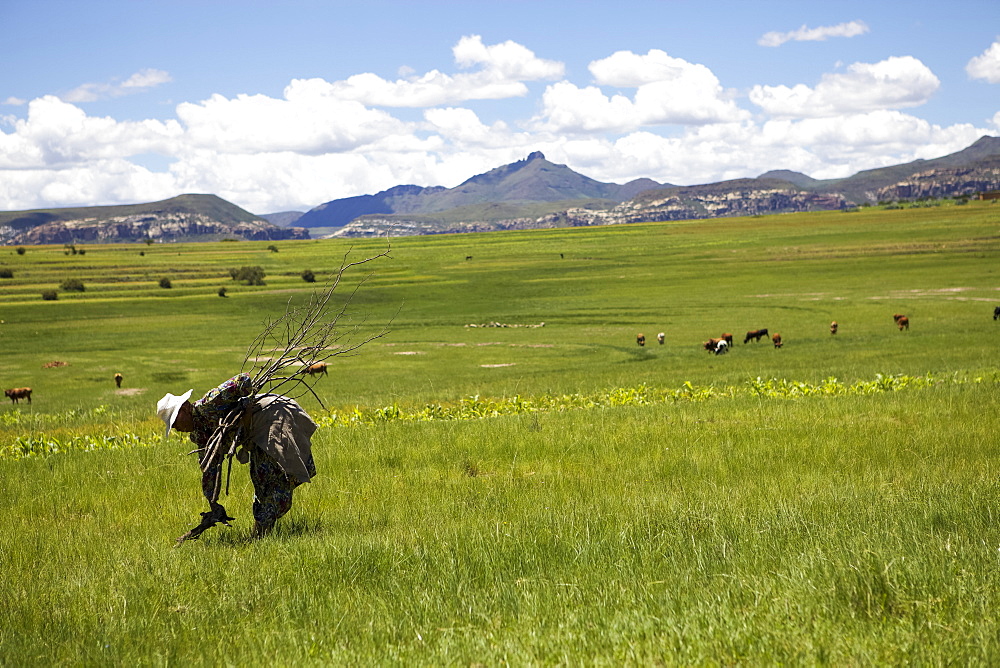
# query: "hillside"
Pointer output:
{"type": "Point", "coordinates": [520, 186]}
{"type": "Point", "coordinates": [186, 217]}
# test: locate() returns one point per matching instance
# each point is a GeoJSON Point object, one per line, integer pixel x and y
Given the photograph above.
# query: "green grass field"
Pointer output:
{"type": "Point", "coordinates": [526, 494]}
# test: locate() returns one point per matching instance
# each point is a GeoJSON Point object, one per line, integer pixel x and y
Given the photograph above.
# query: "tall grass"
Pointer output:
{"type": "Point", "coordinates": [850, 529]}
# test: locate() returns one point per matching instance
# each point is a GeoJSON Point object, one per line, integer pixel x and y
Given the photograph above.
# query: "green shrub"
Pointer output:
{"type": "Point", "coordinates": [222, 292]}
{"type": "Point", "coordinates": [6, 273]}
{"type": "Point", "coordinates": [308, 276]}
{"type": "Point", "coordinates": [272, 248]}
{"type": "Point", "coordinates": [165, 283]}
{"type": "Point", "coordinates": [20, 250]}
{"type": "Point", "coordinates": [72, 285]}
{"type": "Point", "coordinates": [50, 295]}
{"type": "Point", "coordinates": [248, 275]}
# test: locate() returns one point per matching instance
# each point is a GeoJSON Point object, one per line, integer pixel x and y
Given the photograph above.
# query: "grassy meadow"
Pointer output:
{"type": "Point", "coordinates": [525, 494]}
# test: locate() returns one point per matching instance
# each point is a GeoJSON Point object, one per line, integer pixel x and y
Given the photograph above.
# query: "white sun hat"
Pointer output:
{"type": "Point", "coordinates": [168, 406]}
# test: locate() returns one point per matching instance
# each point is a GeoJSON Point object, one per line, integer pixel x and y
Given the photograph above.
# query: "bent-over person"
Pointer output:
{"type": "Point", "coordinates": [273, 435]}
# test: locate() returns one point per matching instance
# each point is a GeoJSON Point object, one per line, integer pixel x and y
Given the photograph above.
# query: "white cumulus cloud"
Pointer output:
{"type": "Point", "coordinates": [668, 91]}
{"type": "Point", "coordinates": [986, 65]}
{"type": "Point", "coordinates": [893, 83]}
{"type": "Point", "coordinates": [822, 33]}
{"type": "Point", "coordinates": [310, 119]}
{"type": "Point", "coordinates": [503, 69]}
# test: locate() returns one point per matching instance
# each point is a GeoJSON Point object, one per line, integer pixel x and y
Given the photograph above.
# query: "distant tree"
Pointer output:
{"type": "Point", "coordinates": [20, 250]}
{"type": "Point", "coordinates": [70, 249]}
{"type": "Point", "coordinates": [272, 248]}
{"type": "Point", "coordinates": [82, 251]}
{"type": "Point", "coordinates": [6, 273]}
{"type": "Point", "coordinates": [308, 276]}
{"type": "Point", "coordinates": [50, 295]}
{"type": "Point", "coordinates": [165, 283]}
{"type": "Point", "coordinates": [72, 285]}
{"type": "Point", "coordinates": [148, 241]}
{"type": "Point", "coordinates": [248, 275]}
{"type": "Point", "coordinates": [222, 292]}
{"type": "Point", "coordinates": [142, 253]}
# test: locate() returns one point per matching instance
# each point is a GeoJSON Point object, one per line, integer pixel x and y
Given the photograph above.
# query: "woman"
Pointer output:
{"type": "Point", "coordinates": [274, 437]}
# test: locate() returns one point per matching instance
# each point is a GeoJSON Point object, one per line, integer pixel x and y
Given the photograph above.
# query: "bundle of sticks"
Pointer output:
{"type": "Point", "coordinates": [301, 337]}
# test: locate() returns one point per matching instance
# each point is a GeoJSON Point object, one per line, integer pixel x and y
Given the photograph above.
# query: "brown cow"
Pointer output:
{"type": "Point", "coordinates": [640, 339]}
{"type": "Point", "coordinates": [317, 368]}
{"type": "Point", "coordinates": [118, 379]}
{"type": "Point", "coordinates": [901, 321]}
{"type": "Point", "coordinates": [728, 338]}
{"type": "Point", "coordinates": [18, 393]}
{"type": "Point", "coordinates": [756, 335]}
{"type": "Point", "coordinates": [833, 327]}
{"type": "Point", "coordinates": [711, 345]}
{"type": "Point", "coordinates": [660, 338]}
{"type": "Point", "coordinates": [777, 340]}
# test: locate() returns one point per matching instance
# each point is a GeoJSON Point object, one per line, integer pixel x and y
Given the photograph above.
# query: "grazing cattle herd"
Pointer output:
{"type": "Point", "coordinates": [722, 344]}
{"type": "Point", "coordinates": [718, 346]}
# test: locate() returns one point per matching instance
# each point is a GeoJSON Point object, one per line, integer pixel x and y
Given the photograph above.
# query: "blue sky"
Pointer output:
{"type": "Point", "coordinates": [286, 105]}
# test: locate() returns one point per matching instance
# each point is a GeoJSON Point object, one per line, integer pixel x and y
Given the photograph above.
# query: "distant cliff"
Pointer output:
{"type": "Point", "coordinates": [742, 197]}
{"type": "Point", "coordinates": [182, 218]}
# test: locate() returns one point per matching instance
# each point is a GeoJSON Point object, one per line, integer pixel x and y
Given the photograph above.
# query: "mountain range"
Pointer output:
{"type": "Point", "coordinates": [529, 193]}
{"type": "Point", "coordinates": [534, 193]}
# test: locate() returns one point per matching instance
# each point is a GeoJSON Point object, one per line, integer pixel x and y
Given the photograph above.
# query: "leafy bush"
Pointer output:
{"type": "Point", "coordinates": [20, 250]}
{"type": "Point", "coordinates": [248, 275]}
{"type": "Point", "coordinates": [165, 283]}
{"type": "Point", "coordinates": [6, 273]}
{"type": "Point", "coordinates": [50, 295]}
{"type": "Point", "coordinates": [222, 292]}
{"type": "Point", "coordinates": [272, 248]}
{"type": "Point", "coordinates": [72, 285]}
{"type": "Point", "coordinates": [308, 276]}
